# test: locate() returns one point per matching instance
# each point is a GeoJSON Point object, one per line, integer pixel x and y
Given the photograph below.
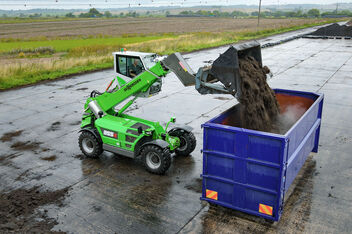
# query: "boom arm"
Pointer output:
{"type": "Point", "coordinates": [142, 83]}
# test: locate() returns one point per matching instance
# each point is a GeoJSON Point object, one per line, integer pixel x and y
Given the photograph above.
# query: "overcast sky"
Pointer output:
{"type": "Point", "coordinates": [71, 4]}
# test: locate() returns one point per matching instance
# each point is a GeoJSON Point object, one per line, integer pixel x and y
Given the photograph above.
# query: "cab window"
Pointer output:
{"type": "Point", "coordinates": [134, 66]}
{"type": "Point", "coordinates": [122, 65]}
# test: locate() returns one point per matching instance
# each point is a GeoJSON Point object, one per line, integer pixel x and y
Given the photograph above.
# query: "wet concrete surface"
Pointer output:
{"type": "Point", "coordinates": [39, 133]}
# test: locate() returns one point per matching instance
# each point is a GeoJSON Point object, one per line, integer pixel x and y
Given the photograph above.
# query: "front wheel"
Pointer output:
{"type": "Point", "coordinates": [89, 145]}
{"type": "Point", "coordinates": [188, 142]}
{"type": "Point", "coordinates": [156, 160]}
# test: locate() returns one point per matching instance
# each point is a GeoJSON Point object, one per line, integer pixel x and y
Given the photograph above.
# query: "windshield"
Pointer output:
{"type": "Point", "coordinates": [149, 61]}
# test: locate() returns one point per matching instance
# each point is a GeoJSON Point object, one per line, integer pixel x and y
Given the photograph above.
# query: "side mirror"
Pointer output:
{"type": "Point", "coordinates": [173, 120]}
{"type": "Point", "coordinates": [140, 130]}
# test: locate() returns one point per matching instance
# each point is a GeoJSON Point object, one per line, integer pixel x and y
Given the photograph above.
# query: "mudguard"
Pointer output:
{"type": "Point", "coordinates": [158, 142]}
{"type": "Point", "coordinates": [93, 131]}
{"type": "Point", "coordinates": [185, 128]}
{"type": "Point", "coordinates": [148, 141]}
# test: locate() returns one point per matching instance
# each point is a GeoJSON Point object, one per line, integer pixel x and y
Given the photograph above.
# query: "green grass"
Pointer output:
{"type": "Point", "coordinates": [66, 45]}
{"type": "Point", "coordinates": [32, 74]}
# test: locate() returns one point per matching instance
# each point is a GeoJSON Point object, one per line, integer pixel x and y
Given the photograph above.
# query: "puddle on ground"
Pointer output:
{"type": "Point", "coordinates": [195, 185]}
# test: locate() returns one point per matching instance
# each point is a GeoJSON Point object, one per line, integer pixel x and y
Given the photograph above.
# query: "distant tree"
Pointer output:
{"type": "Point", "coordinates": [167, 13]}
{"type": "Point", "coordinates": [93, 11]}
{"type": "Point", "coordinates": [4, 16]}
{"type": "Point", "coordinates": [70, 15]}
{"type": "Point", "coordinates": [254, 13]}
{"type": "Point", "coordinates": [122, 14]}
{"type": "Point", "coordinates": [107, 14]}
{"type": "Point", "coordinates": [313, 13]}
{"type": "Point", "coordinates": [35, 15]}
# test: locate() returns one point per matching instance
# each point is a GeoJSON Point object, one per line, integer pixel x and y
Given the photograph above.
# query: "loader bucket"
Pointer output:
{"type": "Point", "coordinates": [226, 67]}
{"type": "Point", "coordinates": [180, 67]}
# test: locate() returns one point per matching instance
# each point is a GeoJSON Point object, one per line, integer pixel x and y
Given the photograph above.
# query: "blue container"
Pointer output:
{"type": "Point", "coordinates": [251, 171]}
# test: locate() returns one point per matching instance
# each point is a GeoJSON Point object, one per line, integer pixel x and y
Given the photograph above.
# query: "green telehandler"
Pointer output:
{"type": "Point", "coordinates": [105, 126]}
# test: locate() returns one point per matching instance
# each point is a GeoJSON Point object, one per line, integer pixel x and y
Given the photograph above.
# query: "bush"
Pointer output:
{"type": "Point", "coordinates": [37, 51]}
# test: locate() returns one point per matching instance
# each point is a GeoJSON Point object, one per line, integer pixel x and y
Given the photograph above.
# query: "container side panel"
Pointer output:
{"type": "Point", "coordinates": [263, 176]}
{"type": "Point", "coordinates": [254, 198]}
{"type": "Point", "coordinates": [223, 190]}
{"type": "Point", "coordinates": [218, 140]}
{"type": "Point", "coordinates": [300, 155]}
{"type": "Point", "coordinates": [264, 149]}
{"type": "Point", "coordinates": [219, 166]}
{"type": "Point", "coordinates": [302, 128]}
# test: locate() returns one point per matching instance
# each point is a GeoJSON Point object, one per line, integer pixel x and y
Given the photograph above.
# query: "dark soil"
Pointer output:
{"type": "Point", "coordinates": [259, 107]}
{"type": "Point", "coordinates": [28, 145]}
{"type": "Point", "coordinates": [17, 210]}
{"type": "Point", "coordinates": [334, 30]}
{"type": "Point", "coordinates": [50, 158]}
{"type": "Point", "coordinates": [10, 135]}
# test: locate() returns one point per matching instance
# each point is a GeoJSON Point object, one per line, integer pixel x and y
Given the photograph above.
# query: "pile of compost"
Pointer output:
{"type": "Point", "coordinates": [17, 210]}
{"type": "Point", "coordinates": [259, 107]}
{"type": "Point", "coordinates": [334, 30]}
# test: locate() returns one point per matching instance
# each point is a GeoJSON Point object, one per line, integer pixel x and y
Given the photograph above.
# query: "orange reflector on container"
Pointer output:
{"type": "Point", "coordinates": [211, 194]}
{"type": "Point", "coordinates": [268, 210]}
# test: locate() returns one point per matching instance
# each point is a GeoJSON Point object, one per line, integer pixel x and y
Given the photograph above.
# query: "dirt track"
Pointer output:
{"type": "Point", "coordinates": [123, 26]}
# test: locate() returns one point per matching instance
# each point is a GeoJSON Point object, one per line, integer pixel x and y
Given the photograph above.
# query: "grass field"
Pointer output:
{"type": "Point", "coordinates": [66, 45]}
{"type": "Point", "coordinates": [69, 49]}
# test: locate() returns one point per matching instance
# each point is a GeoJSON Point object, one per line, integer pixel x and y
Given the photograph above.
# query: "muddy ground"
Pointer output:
{"type": "Point", "coordinates": [39, 131]}
{"type": "Point", "coordinates": [17, 210]}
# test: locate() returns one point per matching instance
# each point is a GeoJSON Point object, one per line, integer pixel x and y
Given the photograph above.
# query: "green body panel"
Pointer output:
{"type": "Point", "coordinates": [127, 135]}
{"type": "Point", "coordinates": [121, 130]}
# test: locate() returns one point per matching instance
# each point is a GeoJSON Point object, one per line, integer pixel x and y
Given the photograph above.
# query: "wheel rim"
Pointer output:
{"type": "Point", "coordinates": [183, 143]}
{"type": "Point", "coordinates": [88, 145]}
{"type": "Point", "coordinates": [153, 160]}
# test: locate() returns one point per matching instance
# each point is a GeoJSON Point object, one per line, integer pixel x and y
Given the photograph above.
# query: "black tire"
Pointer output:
{"type": "Point", "coordinates": [188, 142]}
{"type": "Point", "coordinates": [156, 160]}
{"type": "Point", "coordinates": [89, 145]}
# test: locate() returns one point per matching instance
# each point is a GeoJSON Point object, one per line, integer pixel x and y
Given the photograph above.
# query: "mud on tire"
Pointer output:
{"type": "Point", "coordinates": [155, 159]}
{"type": "Point", "coordinates": [89, 145]}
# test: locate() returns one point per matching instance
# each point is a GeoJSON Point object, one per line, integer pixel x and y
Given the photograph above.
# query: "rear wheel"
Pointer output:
{"type": "Point", "coordinates": [156, 160]}
{"type": "Point", "coordinates": [188, 142]}
{"type": "Point", "coordinates": [89, 145]}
